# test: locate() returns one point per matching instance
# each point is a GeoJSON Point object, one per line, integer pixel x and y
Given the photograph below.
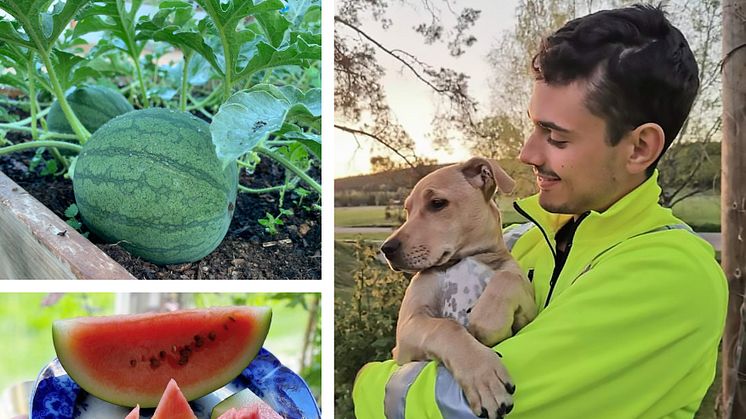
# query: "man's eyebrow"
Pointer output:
{"type": "Point", "coordinates": [549, 125]}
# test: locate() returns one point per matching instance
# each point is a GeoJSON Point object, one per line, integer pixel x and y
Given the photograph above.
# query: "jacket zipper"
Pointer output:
{"type": "Point", "coordinates": [557, 265]}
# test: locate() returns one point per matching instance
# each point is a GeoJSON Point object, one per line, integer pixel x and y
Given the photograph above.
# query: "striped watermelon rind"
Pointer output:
{"type": "Point", "coordinates": [93, 105]}
{"type": "Point", "coordinates": [150, 180]}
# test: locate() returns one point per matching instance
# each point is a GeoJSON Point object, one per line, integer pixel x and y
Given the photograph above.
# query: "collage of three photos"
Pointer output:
{"type": "Point", "coordinates": [527, 209]}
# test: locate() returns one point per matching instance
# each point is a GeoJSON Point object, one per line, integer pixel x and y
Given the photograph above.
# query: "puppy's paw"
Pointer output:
{"type": "Point", "coordinates": [490, 325]}
{"type": "Point", "coordinates": [486, 384]}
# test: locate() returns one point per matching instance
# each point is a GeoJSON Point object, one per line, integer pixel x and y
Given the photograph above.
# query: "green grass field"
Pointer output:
{"type": "Point", "coordinates": [697, 211]}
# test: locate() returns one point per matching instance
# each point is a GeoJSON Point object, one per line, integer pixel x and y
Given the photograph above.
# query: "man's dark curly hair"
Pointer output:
{"type": "Point", "coordinates": [639, 69]}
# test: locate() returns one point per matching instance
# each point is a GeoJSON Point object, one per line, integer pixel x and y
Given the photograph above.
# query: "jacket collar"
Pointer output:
{"type": "Point", "coordinates": [635, 213]}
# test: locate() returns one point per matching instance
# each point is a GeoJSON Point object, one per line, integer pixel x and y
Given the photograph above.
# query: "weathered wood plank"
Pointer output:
{"type": "Point", "coordinates": [36, 244]}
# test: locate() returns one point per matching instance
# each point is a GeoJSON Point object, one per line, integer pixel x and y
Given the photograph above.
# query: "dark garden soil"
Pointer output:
{"type": "Point", "coordinates": [247, 252]}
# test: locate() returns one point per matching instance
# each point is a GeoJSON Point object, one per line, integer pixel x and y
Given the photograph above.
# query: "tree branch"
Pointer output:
{"type": "Point", "coordinates": [391, 53]}
{"type": "Point", "coordinates": [380, 140]}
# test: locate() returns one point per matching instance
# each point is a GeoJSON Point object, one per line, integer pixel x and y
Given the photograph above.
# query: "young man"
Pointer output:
{"type": "Point", "coordinates": [632, 302]}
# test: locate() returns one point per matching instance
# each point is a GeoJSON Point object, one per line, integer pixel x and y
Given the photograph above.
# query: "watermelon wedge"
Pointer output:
{"type": "Point", "coordinates": [134, 414]}
{"type": "Point", "coordinates": [173, 404]}
{"type": "Point", "coordinates": [129, 359]}
{"type": "Point", "coordinates": [244, 404]}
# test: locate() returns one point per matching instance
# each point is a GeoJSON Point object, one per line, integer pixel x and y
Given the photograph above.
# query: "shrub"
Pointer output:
{"type": "Point", "coordinates": [365, 328]}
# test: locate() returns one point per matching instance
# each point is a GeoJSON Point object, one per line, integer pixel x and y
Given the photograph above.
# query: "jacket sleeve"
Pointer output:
{"type": "Point", "coordinates": [634, 336]}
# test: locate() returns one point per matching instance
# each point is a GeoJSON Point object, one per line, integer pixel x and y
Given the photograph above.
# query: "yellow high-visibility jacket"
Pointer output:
{"type": "Point", "coordinates": [628, 328]}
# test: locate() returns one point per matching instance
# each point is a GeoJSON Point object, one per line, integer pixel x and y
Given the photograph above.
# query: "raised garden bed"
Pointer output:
{"type": "Point", "coordinates": [248, 251]}
{"type": "Point", "coordinates": [82, 97]}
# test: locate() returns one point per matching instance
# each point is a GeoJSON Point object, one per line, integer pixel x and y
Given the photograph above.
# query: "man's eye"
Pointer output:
{"type": "Point", "coordinates": [438, 204]}
{"type": "Point", "coordinates": [556, 143]}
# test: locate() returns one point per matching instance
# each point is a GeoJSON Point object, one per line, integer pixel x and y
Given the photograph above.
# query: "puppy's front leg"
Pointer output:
{"type": "Point", "coordinates": [475, 367]}
{"type": "Point", "coordinates": [506, 305]}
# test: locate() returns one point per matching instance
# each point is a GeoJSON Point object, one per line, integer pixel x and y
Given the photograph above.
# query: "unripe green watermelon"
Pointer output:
{"type": "Point", "coordinates": [93, 105]}
{"type": "Point", "coordinates": [150, 180]}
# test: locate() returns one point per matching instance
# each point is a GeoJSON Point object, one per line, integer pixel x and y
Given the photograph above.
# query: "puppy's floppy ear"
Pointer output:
{"type": "Point", "coordinates": [487, 175]}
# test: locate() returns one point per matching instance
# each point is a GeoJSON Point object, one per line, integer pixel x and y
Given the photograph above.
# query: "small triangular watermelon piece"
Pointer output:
{"type": "Point", "coordinates": [134, 414]}
{"type": "Point", "coordinates": [244, 405]}
{"type": "Point", "coordinates": [173, 404]}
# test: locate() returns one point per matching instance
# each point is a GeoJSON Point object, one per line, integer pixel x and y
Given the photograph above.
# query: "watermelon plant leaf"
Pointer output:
{"type": "Point", "coordinates": [71, 211]}
{"type": "Point", "coordinates": [298, 52]}
{"type": "Point", "coordinates": [225, 17]}
{"type": "Point", "coordinates": [311, 141]}
{"type": "Point", "coordinates": [245, 121]}
{"type": "Point", "coordinates": [298, 10]}
{"type": "Point", "coordinates": [274, 26]}
{"type": "Point", "coordinates": [113, 17]}
{"type": "Point", "coordinates": [41, 26]}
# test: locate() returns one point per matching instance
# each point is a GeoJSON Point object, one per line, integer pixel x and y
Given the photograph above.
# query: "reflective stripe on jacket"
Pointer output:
{"type": "Point", "coordinates": [629, 328]}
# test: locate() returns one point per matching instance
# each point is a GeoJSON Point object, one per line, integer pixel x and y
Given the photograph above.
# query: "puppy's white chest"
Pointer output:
{"type": "Point", "coordinates": [461, 285]}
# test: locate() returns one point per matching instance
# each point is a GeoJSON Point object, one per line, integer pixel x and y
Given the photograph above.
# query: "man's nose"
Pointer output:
{"type": "Point", "coordinates": [530, 152]}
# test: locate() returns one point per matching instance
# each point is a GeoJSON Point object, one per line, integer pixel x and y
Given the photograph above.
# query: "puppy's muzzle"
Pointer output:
{"type": "Point", "coordinates": [390, 248]}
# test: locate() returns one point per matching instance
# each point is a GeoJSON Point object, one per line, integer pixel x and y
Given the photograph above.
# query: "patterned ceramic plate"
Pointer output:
{"type": "Point", "coordinates": [57, 396]}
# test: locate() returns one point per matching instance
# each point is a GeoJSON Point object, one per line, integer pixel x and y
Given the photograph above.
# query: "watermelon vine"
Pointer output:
{"type": "Point", "coordinates": [251, 69]}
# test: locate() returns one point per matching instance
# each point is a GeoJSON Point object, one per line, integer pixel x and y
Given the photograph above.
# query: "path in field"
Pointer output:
{"type": "Point", "coordinates": [715, 239]}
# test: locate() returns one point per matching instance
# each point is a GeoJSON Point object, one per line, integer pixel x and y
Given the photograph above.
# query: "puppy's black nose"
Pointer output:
{"type": "Point", "coordinates": [390, 247]}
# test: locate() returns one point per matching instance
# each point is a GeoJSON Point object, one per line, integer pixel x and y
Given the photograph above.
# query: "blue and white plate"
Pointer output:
{"type": "Point", "coordinates": [57, 396]}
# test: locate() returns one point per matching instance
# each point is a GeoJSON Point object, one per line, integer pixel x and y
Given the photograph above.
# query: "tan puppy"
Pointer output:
{"type": "Point", "coordinates": [468, 291]}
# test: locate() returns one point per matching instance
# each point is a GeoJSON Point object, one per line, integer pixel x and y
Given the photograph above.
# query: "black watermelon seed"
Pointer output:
{"type": "Point", "coordinates": [231, 318]}
{"type": "Point", "coordinates": [211, 335]}
{"type": "Point", "coordinates": [162, 354]}
{"type": "Point", "coordinates": [154, 363]}
{"type": "Point", "coordinates": [133, 362]}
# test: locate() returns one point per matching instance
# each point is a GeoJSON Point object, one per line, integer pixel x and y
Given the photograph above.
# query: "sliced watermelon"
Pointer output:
{"type": "Point", "coordinates": [243, 405]}
{"type": "Point", "coordinates": [129, 359]}
{"type": "Point", "coordinates": [134, 414]}
{"type": "Point", "coordinates": [173, 404]}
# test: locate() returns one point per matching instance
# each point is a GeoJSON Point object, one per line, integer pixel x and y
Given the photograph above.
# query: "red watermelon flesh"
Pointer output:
{"type": "Point", "coordinates": [134, 414]}
{"type": "Point", "coordinates": [243, 405]}
{"type": "Point", "coordinates": [173, 404]}
{"type": "Point", "coordinates": [129, 359]}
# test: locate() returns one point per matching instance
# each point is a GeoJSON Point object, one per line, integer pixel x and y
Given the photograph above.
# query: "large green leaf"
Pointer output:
{"type": "Point", "coordinates": [244, 122]}
{"type": "Point", "coordinates": [113, 17]}
{"type": "Point", "coordinates": [249, 117]}
{"type": "Point", "coordinates": [41, 27]}
{"type": "Point", "coordinates": [299, 52]}
{"type": "Point", "coordinates": [226, 17]}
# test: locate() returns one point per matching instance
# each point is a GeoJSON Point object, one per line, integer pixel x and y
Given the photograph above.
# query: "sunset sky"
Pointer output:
{"type": "Point", "coordinates": [410, 99]}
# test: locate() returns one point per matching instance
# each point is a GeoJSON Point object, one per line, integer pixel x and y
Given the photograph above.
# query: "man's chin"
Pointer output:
{"type": "Point", "coordinates": [552, 206]}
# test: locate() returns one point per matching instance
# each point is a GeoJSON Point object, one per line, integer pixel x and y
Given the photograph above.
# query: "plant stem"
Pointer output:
{"type": "Point", "coordinates": [36, 144]}
{"type": "Point", "coordinates": [14, 127]}
{"type": "Point", "coordinates": [242, 188]}
{"type": "Point", "coordinates": [206, 101]}
{"type": "Point", "coordinates": [138, 70]}
{"type": "Point", "coordinates": [290, 166]}
{"type": "Point", "coordinates": [184, 82]}
{"type": "Point", "coordinates": [32, 95]}
{"type": "Point", "coordinates": [75, 123]}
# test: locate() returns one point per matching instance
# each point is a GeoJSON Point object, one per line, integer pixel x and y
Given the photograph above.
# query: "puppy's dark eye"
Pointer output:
{"type": "Point", "coordinates": [438, 204]}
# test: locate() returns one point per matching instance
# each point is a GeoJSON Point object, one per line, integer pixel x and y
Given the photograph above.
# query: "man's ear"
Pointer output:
{"type": "Point", "coordinates": [647, 143]}
{"type": "Point", "coordinates": [487, 175]}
